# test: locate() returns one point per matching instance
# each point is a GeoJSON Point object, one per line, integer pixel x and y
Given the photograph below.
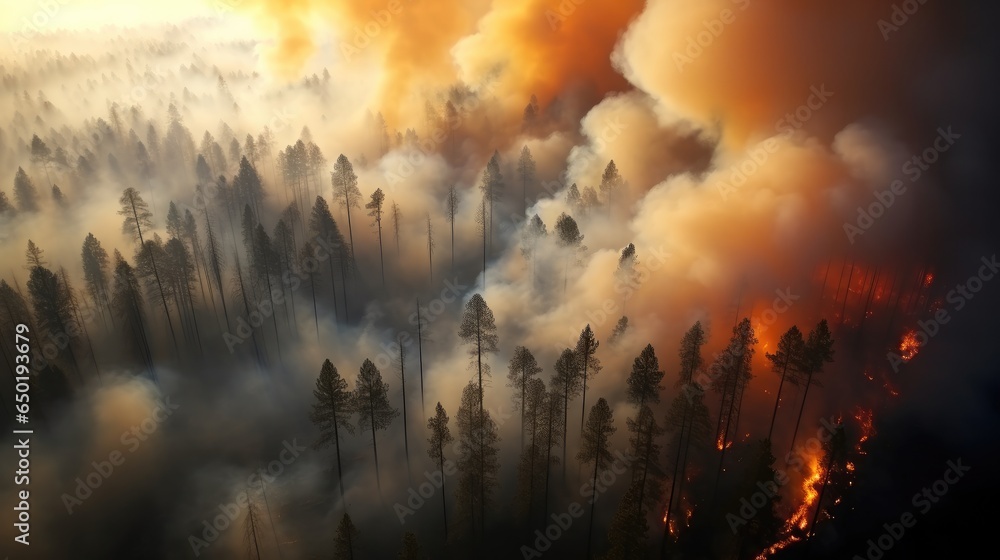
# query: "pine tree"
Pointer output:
{"type": "Point", "coordinates": [33, 256]}
{"type": "Point", "coordinates": [137, 218]}
{"type": "Point", "coordinates": [553, 432]}
{"type": "Point", "coordinates": [784, 362]}
{"type": "Point", "coordinates": [817, 352]}
{"type": "Point", "coordinates": [683, 413]}
{"type": "Point", "coordinates": [522, 369]}
{"type": "Point", "coordinates": [566, 381]}
{"type": "Point", "coordinates": [439, 439]}
{"type": "Point", "coordinates": [24, 192]}
{"type": "Point", "coordinates": [532, 234]}
{"type": "Point", "coordinates": [621, 327]}
{"type": "Point", "coordinates": [430, 248]}
{"type": "Point", "coordinates": [371, 400]}
{"type": "Point", "coordinates": [611, 183]}
{"type": "Point", "coordinates": [374, 207]}
{"type": "Point", "coordinates": [397, 216]}
{"type": "Point", "coordinates": [730, 376]}
{"type": "Point", "coordinates": [345, 540]}
{"type": "Point", "coordinates": [5, 206]}
{"type": "Point", "coordinates": [478, 329]}
{"type": "Point", "coordinates": [526, 170]}
{"type": "Point", "coordinates": [492, 189]}
{"type": "Point", "coordinates": [595, 447]}
{"type": "Point", "coordinates": [570, 239]}
{"type": "Point", "coordinates": [587, 364]}
{"type": "Point", "coordinates": [332, 412]}
{"type": "Point", "coordinates": [451, 209]}
{"type": "Point", "coordinates": [345, 190]}
{"type": "Point", "coordinates": [760, 531]}
{"type": "Point", "coordinates": [411, 548]}
{"type": "Point", "coordinates": [322, 224]}
{"type": "Point", "coordinates": [251, 528]}
{"type": "Point", "coordinates": [479, 465]}
{"type": "Point", "coordinates": [627, 532]}
{"type": "Point", "coordinates": [532, 465]}
{"type": "Point", "coordinates": [51, 303]}
{"type": "Point", "coordinates": [127, 303]}
{"type": "Point", "coordinates": [626, 275]}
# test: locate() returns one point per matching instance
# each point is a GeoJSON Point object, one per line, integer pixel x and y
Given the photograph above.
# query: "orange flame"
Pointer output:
{"type": "Point", "coordinates": [908, 347]}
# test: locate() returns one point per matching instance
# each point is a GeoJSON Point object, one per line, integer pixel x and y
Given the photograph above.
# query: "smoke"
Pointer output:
{"type": "Point", "coordinates": [748, 134]}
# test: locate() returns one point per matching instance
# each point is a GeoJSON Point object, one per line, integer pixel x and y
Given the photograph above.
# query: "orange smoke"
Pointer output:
{"type": "Point", "coordinates": [419, 49]}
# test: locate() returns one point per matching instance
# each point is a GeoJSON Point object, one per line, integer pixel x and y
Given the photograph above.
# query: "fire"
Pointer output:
{"type": "Point", "coordinates": [865, 422]}
{"type": "Point", "coordinates": [799, 521]}
{"type": "Point", "coordinates": [928, 278]}
{"type": "Point", "coordinates": [908, 347]}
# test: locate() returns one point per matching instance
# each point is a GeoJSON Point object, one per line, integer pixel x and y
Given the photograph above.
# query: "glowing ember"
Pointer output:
{"type": "Point", "coordinates": [908, 347]}
{"type": "Point", "coordinates": [865, 422]}
{"type": "Point", "coordinates": [928, 279]}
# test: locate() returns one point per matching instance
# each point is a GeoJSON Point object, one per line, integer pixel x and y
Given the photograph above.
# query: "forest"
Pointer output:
{"type": "Point", "coordinates": [432, 300]}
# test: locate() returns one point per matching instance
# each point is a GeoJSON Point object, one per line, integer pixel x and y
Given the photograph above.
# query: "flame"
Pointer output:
{"type": "Point", "coordinates": [866, 423]}
{"type": "Point", "coordinates": [908, 347]}
{"type": "Point", "coordinates": [799, 521]}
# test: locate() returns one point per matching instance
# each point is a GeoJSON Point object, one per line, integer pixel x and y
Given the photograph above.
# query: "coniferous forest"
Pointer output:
{"type": "Point", "coordinates": [533, 279]}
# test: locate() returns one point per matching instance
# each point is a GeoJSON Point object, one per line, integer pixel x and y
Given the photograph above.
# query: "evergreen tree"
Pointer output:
{"type": "Point", "coordinates": [127, 303]}
{"type": "Point", "coordinates": [621, 327]}
{"type": "Point", "coordinates": [532, 234]}
{"type": "Point", "coordinates": [478, 330]}
{"type": "Point", "coordinates": [760, 531]}
{"type": "Point", "coordinates": [818, 352]}
{"type": "Point", "coordinates": [532, 466]}
{"type": "Point", "coordinates": [345, 540]}
{"type": "Point", "coordinates": [784, 362]}
{"type": "Point", "coordinates": [611, 183]}
{"type": "Point", "coordinates": [627, 533]}
{"type": "Point", "coordinates": [374, 207]}
{"type": "Point", "coordinates": [492, 189]}
{"type": "Point", "coordinates": [479, 464]}
{"type": "Point", "coordinates": [51, 303]}
{"type": "Point", "coordinates": [371, 400]}
{"type": "Point", "coordinates": [570, 239]}
{"type": "Point", "coordinates": [687, 412]}
{"type": "Point", "coordinates": [526, 170]}
{"type": "Point", "coordinates": [24, 192]}
{"type": "Point", "coordinates": [566, 381]}
{"type": "Point", "coordinates": [595, 447]}
{"type": "Point", "coordinates": [139, 218]}
{"type": "Point", "coordinates": [332, 412]}
{"type": "Point", "coordinates": [587, 364]}
{"type": "Point", "coordinates": [522, 369]}
{"type": "Point", "coordinates": [451, 209]}
{"type": "Point", "coordinates": [345, 190]}
{"type": "Point", "coordinates": [439, 439]}
{"type": "Point", "coordinates": [411, 548]}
